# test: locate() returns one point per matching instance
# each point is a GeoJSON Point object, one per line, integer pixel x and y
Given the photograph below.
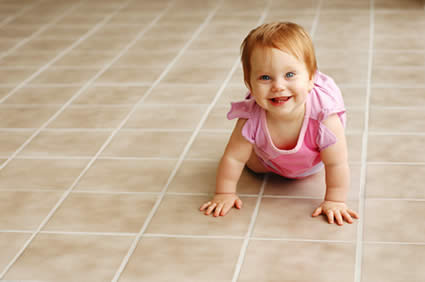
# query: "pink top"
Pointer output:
{"type": "Point", "coordinates": [324, 100]}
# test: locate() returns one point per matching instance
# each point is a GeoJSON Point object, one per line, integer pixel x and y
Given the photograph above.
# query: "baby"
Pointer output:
{"type": "Point", "coordinates": [291, 123]}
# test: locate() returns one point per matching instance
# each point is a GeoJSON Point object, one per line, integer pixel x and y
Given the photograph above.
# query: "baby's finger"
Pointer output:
{"type": "Point", "coordinates": [204, 206]}
{"type": "Point", "coordinates": [210, 208]}
{"type": "Point", "coordinates": [317, 212]}
{"type": "Point", "coordinates": [218, 209]}
{"type": "Point", "coordinates": [238, 204]}
{"type": "Point", "coordinates": [338, 217]}
{"type": "Point", "coordinates": [330, 215]}
{"type": "Point", "coordinates": [347, 217]}
{"type": "Point", "coordinates": [225, 210]}
{"type": "Point", "coordinates": [353, 214]}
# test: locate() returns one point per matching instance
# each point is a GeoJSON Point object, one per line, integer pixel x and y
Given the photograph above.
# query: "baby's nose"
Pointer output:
{"type": "Point", "coordinates": [278, 85]}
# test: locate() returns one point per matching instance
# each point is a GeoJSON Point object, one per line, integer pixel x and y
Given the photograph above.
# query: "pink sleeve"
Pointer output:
{"type": "Point", "coordinates": [246, 109]}
{"type": "Point", "coordinates": [328, 101]}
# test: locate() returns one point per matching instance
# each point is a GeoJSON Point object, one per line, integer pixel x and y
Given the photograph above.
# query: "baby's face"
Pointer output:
{"type": "Point", "coordinates": [280, 82]}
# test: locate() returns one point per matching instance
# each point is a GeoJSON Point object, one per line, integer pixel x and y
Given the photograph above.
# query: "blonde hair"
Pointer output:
{"type": "Point", "coordinates": [285, 36]}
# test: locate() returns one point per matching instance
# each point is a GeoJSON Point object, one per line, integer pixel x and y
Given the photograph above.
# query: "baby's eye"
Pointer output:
{"type": "Point", "coordinates": [289, 74]}
{"type": "Point", "coordinates": [265, 77]}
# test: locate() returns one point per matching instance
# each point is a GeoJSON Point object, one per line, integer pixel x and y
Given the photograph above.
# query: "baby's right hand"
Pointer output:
{"type": "Point", "coordinates": [221, 204]}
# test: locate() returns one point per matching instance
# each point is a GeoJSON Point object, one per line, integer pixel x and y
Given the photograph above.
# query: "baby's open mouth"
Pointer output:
{"type": "Point", "coordinates": [280, 99]}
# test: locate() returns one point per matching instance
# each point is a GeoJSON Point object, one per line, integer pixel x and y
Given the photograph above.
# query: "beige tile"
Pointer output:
{"type": "Point", "coordinates": [217, 119]}
{"type": "Point", "coordinates": [95, 212]}
{"type": "Point", "coordinates": [40, 174]}
{"type": "Point", "coordinates": [208, 59]}
{"type": "Point", "coordinates": [182, 259]}
{"type": "Point", "coordinates": [408, 42]}
{"type": "Point", "coordinates": [11, 141]}
{"type": "Point", "coordinates": [397, 5]}
{"type": "Point", "coordinates": [65, 31]}
{"type": "Point", "coordinates": [388, 120]}
{"type": "Point", "coordinates": [166, 117]}
{"type": "Point", "coordinates": [395, 181]}
{"type": "Point", "coordinates": [395, 148]}
{"type": "Point", "coordinates": [81, 19]}
{"type": "Point", "coordinates": [15, 76]}
{"type": "Point", "coordinates": [357, 5]}
{"type": "Point", "coordinates": [25, 210]}
{"type": "Point", "coordinates": [25, 117]}
{"type": "Point", "coordinates": [42, 45]}
{"type": "Point", "coordinates": [102, 45]}
{"type": "Point", "coordinates": [354, 144]}
{"type": "Point", "coordinates": [147, 144]}
{"type": "Point", "coordinates": [393, 97]}
{"type": "Point", "coordinates": [398, 58]}
{"type": "Point", "coordinates": [170, 30]}
{"type": "Point", "coordinates": [7, 44]}
{"type": "Point", "coordinates": [4, 90]}
{"type": "Point", "coordinates": [111, 95]}
{"type": "Point", "coordinates": [393, 263]}
{"type": "Point", "coordinates": [63, 75]}
{"type": "Point", "coordinates": [92, 117]}
{"type": "Point", "coordinates": [312, 186]}
{"type": "Point", "coordinates": [181, 94]}
{"type": "Point", "coordinates": [192, 74]}
{"type": "Point", "coordinates": [204, 44]}
{"type": "Point", "coordinates": [16, 32]}
{"type": "Point", "coordinates": [150, 44]}
{"type": "Point", "coordinates": [209, 145]}
{"type": "Point", "coordinates": [121, 32]}
{"type": "Point", "coordinates": [130, 75]}
{"type": "Point", "coordinates": [343, 42]}
{"type": "Point", "coordinates": [27, 59]}
{"type": "Point", "coordinates": [42, 95]}
{"type": "Point", "coordinates": [237, 80]}
{"type": "Point", "coordinates": [355, 120]}
{"type": "Point", "coordinates": [181, 215]}
{"type": "Point", "coordinates": [232, 93]}
{"type": "Point", "coordinates": [344, 75]}
{"type": "Point", "coordinates": [298, 261]}
{"type": "Point", "coordinates": [85, 59]}
{"type": "Point", "coordinates": [394, 220]}
{"type": "Point", "coordinates": [357, 31]}
{"type": "Point", "coordinates": [335, 58]}
{"type": "Point", "coordinates": [398, 76]}
{"type": "Point", "coordinates": [291, 218]}
{"type": "Point", "coordinates": [126, 175]}
{"type": "Point", "coordinates": [70, 258]}
{"type": "Point", "coordinates": [10, 244]}
{"type": "Point", "coordinates": [157, 59]}
{"type": "Point", "coordinates": [57, 143]}
{"type": "Point", "coordinates": [199, 177]}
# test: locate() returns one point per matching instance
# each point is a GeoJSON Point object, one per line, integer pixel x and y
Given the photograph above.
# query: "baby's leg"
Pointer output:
{"type": "Point", "coordinates": [255, 164]}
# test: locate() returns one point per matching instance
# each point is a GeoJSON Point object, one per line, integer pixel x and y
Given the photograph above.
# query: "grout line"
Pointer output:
{"type": "Point", "coordinates": [186, 149]}
{"type": "Point", "coordinates": [230, 237]}
{"type": "Point", "coordinates": [8, 19]}
{"type": "Point", "coordinates": [64, 52]}
{"type": "Point", "coordinates": [35, 34]}
{"type": "Point", "coordinates": [44, 222]}
{"type": "Point", "coordinates": [248, 235]}
{"type": "Point", "coordinates": [363, 170]}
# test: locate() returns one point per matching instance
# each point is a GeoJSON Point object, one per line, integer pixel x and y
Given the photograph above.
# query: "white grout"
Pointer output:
{"type": "Point", "coordinates": [20, 13]}
{"type": "Point", "coordinates": [185, 150]}
{"type": "Point", "coordinates": [43, 223]}
{"type": "Point", "coordinates": [63, 53]}
{"type": "Point", "coordinates": [363, 169]}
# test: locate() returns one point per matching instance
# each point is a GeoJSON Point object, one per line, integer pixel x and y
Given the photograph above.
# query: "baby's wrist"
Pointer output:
{"type": "Point", "coordinates": [224, 193]}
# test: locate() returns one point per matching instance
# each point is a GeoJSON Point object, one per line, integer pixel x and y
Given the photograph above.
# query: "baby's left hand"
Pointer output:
{"type": "Point", "coordinates": [337, 210]}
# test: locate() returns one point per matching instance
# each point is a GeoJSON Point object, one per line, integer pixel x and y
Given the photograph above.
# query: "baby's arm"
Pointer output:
{"type": "Point", "coordinates": [335, 158]}
{"type": "Point", "coordinates": [229, 170]}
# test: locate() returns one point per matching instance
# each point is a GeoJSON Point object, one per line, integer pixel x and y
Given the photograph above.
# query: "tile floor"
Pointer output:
{"type": "Point", "coordinates": [112, 121]}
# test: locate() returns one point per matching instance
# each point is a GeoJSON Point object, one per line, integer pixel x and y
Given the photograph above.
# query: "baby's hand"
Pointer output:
{"type": "Point", "coordinates": [338, 210]}
{"type": "Point", "coordinates": [221, 204]}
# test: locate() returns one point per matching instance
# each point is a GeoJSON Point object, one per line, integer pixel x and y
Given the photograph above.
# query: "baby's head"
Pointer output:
{"type": "Point", "coordinates": [285, 36]}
